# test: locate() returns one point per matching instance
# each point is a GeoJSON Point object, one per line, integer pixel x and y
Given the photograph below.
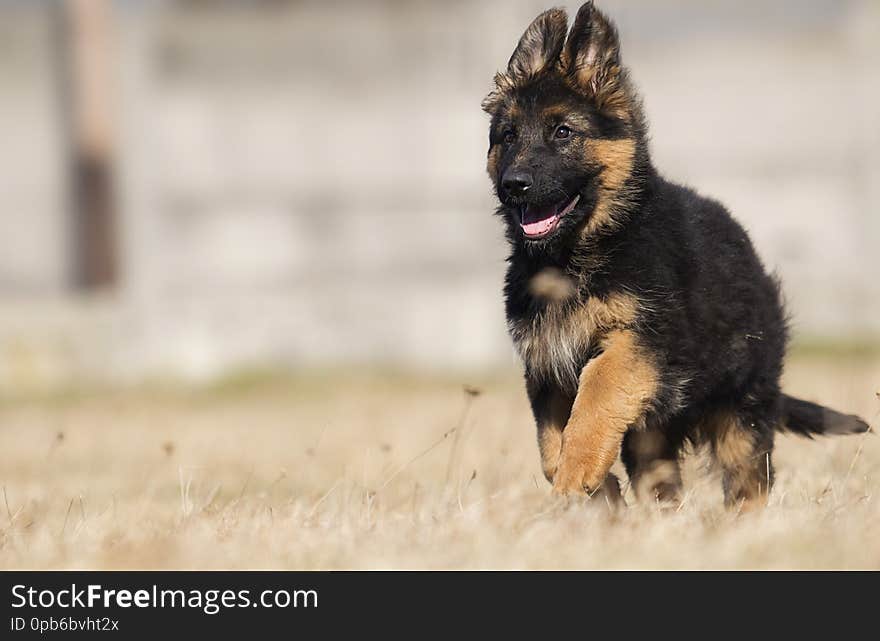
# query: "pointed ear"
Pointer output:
{"type": "Point", "coordinates": [540, 45]}
{"type": "Point", "coordinates": [592, 60]}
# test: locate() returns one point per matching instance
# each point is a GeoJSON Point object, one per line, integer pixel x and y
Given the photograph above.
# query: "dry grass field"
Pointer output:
{"type": "Point", "coordinates": [369, 470]}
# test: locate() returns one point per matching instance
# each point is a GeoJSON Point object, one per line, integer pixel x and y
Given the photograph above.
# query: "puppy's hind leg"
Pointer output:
{"type": "Point", "coordinates": [742, 447]}
{"type": "Point", "coordinates": [651, 461]}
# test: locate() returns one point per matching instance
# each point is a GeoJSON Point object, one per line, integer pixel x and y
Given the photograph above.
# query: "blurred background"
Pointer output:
{"type": "Point", "coordinates": [193, 187]}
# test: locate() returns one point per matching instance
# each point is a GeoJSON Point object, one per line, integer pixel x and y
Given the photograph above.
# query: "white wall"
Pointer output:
{"type": "Point", "coordinates": [305, 183]}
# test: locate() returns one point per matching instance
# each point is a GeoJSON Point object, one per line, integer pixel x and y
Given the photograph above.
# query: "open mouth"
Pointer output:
{"type": "Point", "coordinates": [537, 221]}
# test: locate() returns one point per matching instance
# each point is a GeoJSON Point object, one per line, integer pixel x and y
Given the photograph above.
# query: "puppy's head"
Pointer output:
{"type": "Point", "coordinates": [563, 138]}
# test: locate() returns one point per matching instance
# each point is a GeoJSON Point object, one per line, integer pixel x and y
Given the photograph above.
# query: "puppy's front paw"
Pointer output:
{"type": "Point", "coordinates": [576, 478]}
{"type": "Point", "coordinates": [607, 491]}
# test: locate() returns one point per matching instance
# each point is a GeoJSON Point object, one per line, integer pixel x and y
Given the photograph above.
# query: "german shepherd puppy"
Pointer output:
{"type": "Point", "coordinates": [644, 318]}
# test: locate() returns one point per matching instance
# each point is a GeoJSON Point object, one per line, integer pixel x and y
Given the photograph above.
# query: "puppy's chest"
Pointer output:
{"type": "Point", "coordinates": [555, 340]}
{"type": "Point", "coordinates": [553, 344]}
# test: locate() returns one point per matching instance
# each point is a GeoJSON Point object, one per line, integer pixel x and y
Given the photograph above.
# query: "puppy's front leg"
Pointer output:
{"type": "Point", "coordinates": [551, 409]}
{"type": "Point", "coordinates": [613, 393]}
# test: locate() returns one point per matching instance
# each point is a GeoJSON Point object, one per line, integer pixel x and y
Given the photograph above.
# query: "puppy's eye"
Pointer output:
{"type": "Point", "coordinates": [562, 132]}
{"type": "Point", "coordinates": [508, 137]}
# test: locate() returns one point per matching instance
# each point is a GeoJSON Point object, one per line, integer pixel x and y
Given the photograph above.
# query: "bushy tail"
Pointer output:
{"type": "Point", "coordinates": [807, 419]}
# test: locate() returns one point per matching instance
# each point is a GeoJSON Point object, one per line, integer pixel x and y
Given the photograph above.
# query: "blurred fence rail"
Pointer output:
{"type": "Point", "coordinates": [302, 183]}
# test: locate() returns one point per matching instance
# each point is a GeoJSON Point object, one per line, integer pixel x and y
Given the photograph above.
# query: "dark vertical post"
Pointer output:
{"type": "Point", "coordinates": [86, 61]}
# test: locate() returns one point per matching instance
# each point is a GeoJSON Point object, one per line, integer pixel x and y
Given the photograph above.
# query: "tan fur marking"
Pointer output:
{"type": "Point", "coordinates": [614, 391]}
{"type": "Point", "coordinates": [745, 466]}
{"type": "Point", "coordinates": [616, 158]}
{"type": "Point", "coordinates": [617, 310]}
{"type": "Point", "coordinates": [655, 474]}
{"type": "Point", "coordinates": [731, 444]}
{"type": "Point", "coordinates": [550, 433]}
{"type": "Point", "coordinates": [550, 344]}
{"type": "Point", "coordinates": [659, 481]}
{"type": "Point", "coordinates": [552, 285]}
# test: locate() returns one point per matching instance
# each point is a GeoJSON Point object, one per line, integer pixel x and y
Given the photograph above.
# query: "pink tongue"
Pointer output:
{"type": "Point", "coordinates": [536, 222]}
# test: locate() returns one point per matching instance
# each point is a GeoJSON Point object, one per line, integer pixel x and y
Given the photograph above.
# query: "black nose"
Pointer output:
{"type": "Point", "coordinates": [516, 182]}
